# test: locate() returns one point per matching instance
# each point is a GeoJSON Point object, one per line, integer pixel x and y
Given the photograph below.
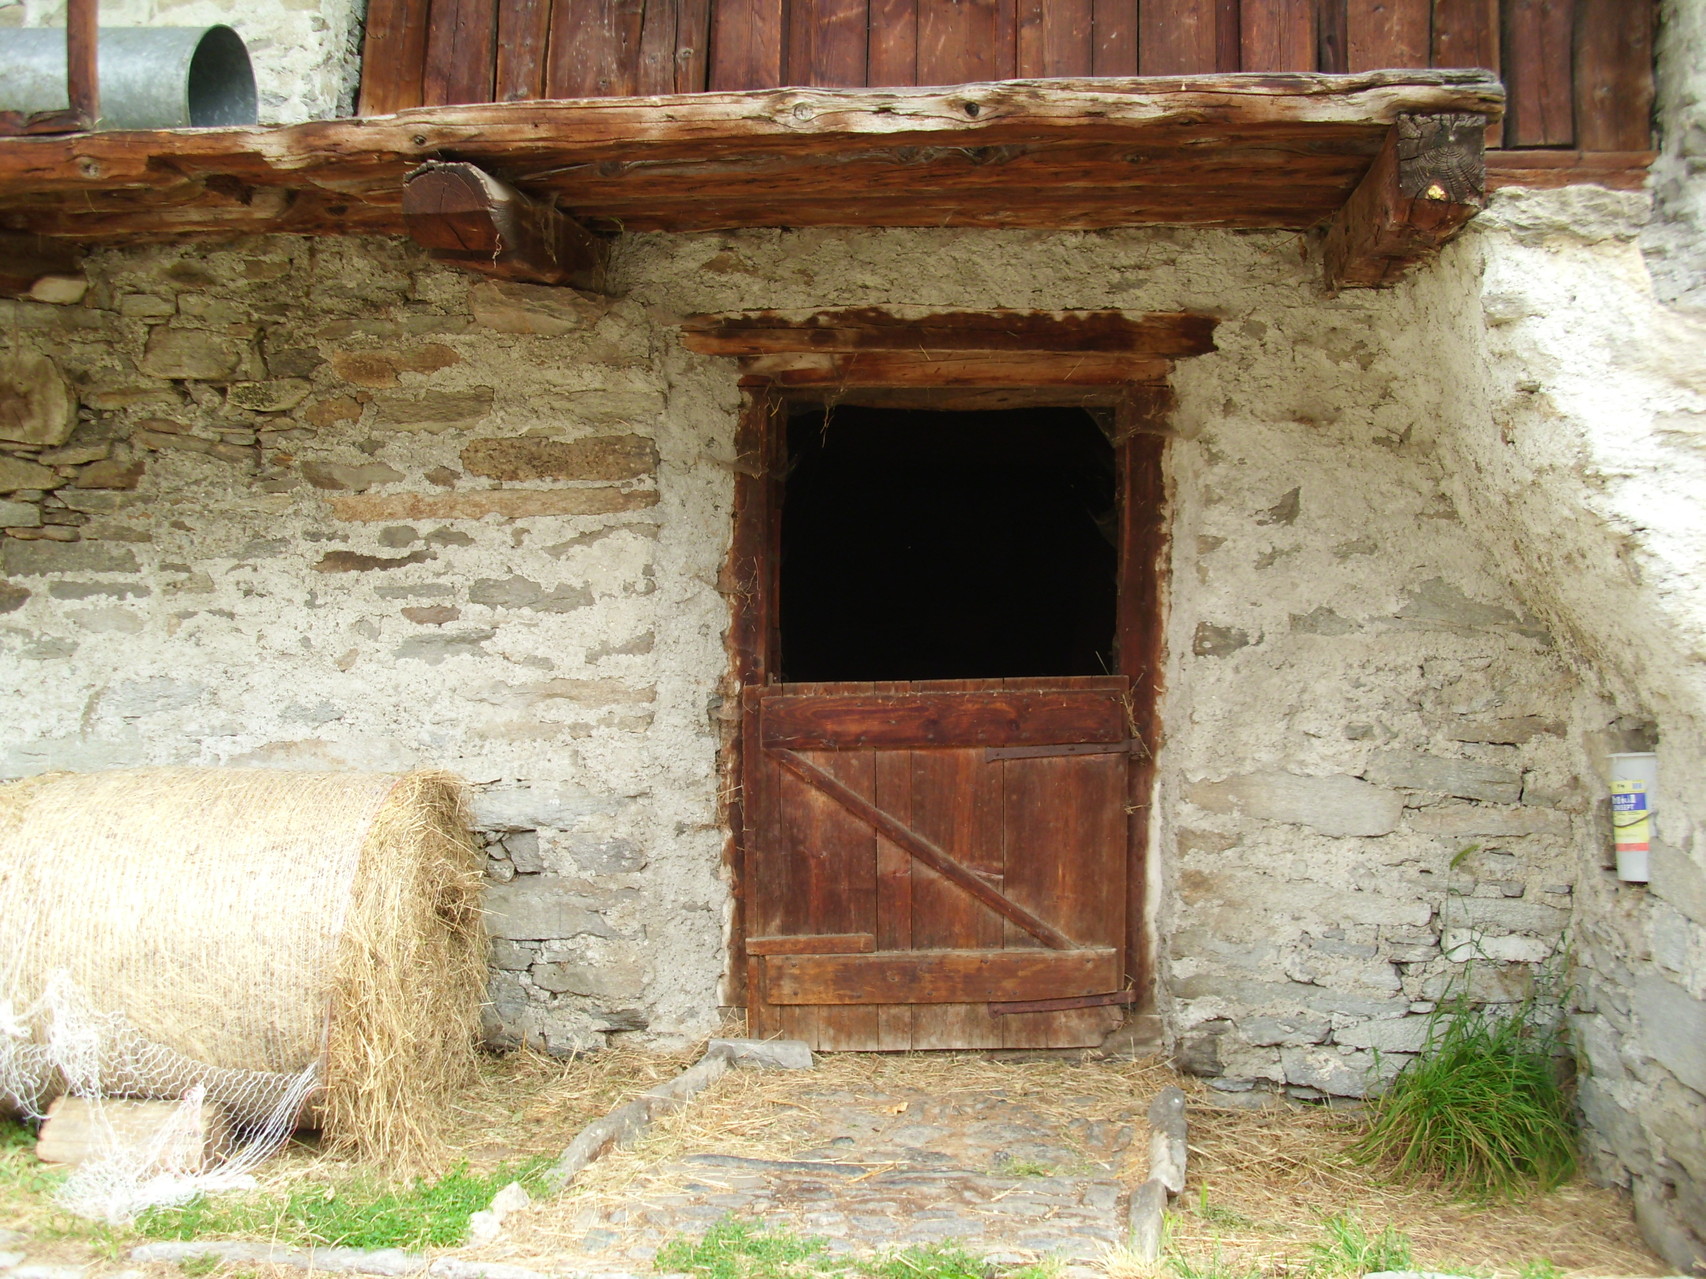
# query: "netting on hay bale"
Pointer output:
{"type": "Point", "coordinates": [292, 947]}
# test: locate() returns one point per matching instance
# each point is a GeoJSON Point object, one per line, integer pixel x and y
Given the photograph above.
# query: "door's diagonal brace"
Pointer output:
{"type": "Point", "coordinates": [916, 846]}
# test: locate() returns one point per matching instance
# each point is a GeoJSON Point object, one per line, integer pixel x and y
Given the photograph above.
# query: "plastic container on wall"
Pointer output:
{"type": "Point", "coordinates": [150, 77]}
{"type": "Point", "coordinates": [1634, 784]}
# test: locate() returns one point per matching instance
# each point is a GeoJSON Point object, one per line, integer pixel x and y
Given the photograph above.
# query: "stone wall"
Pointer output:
{"type": "Point", "coordinates": [324, 504]}
{"type": "Point", "coordinates": [306, 53]}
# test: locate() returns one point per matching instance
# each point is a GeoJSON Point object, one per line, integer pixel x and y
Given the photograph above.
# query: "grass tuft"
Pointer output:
{"type": "Point", "coordinates": [1481, 1111]}
{"type": "Point", "coordinates": [1349, 1249]}
{"type": "Point", "coordinates": [734, 1249]}
{"type": "Point", "coordinates": [355, 1214]}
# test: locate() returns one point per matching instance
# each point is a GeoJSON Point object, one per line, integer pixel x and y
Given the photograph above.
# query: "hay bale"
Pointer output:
{"type": "Point", "coordinates": [250, 925]}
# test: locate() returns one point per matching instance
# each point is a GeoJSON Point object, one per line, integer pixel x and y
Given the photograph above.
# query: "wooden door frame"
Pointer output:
{"type": "Point", "coordinates": [1142, 421]}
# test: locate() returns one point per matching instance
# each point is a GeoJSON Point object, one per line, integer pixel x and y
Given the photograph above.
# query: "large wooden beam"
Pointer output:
{"type": "Point", "coordinates": [1429, 178]}
{"type": "Point", "coordinates": [1236, 150]}
{"type": "Point", "coordinates": [1170, 334]}
{"type": "Point", "coordinates": [463, 215]}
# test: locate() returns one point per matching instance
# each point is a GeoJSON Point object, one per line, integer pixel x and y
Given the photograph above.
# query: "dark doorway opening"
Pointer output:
{"type": "Point", "coordinates": [947, 545]}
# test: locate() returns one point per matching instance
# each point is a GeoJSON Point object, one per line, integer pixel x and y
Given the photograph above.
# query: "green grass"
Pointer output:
{"type": "Point", "coordinates": [1348, 1249]}
{"type": "Point", "coordinates": [357, 1214]}
{"type": "Point", "coordinates": [734, 1249]}
{"type": "Point", "coordinates": [1482, 1110]}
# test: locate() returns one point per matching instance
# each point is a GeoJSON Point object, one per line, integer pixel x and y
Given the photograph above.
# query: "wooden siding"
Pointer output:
{"type": "Point", "coordinates": [1578, 72]}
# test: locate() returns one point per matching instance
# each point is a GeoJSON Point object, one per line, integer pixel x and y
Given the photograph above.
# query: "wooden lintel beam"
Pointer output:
{"type": "Point", "coordinates": [1164, 334]}
{"type": "Point", "coordinates": [463, 215]}
{"type": "Point", "coordinates": [1428, 179]}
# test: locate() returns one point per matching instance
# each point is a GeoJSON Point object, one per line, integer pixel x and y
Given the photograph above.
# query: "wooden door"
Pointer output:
{"type": "Point", "coordinates": [950, 863]}
{"type": "Point", "coordinates": [926, 861]}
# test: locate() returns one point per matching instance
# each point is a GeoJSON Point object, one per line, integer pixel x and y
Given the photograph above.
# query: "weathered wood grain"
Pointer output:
{"type": "Point", "coordinates": [463, 215]}
{"type": "Point", "coordinates": [1428, 180]}
{"type": "Point", "coordinates": [393, 56]}
{"type": "Point", "coordinates": [920, 848]}
{"type": "Point", "coordinates": [1170, 334]}
{"type": "Point", "coordinates": [939, 977]}
{"type": "Point", "coordinates": [1614, 75]}
{"type": "Point", "coordinates": [1538, 39]}
{"type": "Point", "coordinates": [1176, 37]}
{"type": "Point", "coordinates": [1386, 33]}
{"type": "Point", "coordinates": [1619, 170]}
{"type": "Point", "coordinates": [916, 720]}
{"type": "Point", "coordinates": [813, 944]}
{"type": "Point", "coordinates": [1278, 35]}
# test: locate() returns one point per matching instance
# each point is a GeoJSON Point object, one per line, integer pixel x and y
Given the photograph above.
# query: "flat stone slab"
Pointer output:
{"type": "Point", "coordinates": [889, 1168]}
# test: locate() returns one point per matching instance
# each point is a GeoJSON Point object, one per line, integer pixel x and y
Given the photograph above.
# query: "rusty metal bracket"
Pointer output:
{"type": "Point", "coordinates": [1063, 1005]}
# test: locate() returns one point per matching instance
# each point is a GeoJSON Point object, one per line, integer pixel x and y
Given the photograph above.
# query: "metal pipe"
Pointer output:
{"type": "Point", "coordinates": [150, 77]}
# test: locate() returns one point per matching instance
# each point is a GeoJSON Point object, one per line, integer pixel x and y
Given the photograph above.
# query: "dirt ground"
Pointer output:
{"type": "Point", "coordinates": [1004, 1154]}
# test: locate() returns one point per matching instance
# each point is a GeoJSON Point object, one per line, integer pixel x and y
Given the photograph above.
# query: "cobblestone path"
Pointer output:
{"type": "Point", "coordinates": [986, 1170]}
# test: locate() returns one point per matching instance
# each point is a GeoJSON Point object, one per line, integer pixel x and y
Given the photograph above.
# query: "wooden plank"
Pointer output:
{"type": "Point", "coordinates": [952, 368]}
{"type": "Point", "coordinates": [745, 580]}
{"type": "Point", "coordinates": [393, 56]}
{"type": "Point", "coordinates": [813, 944]}
{"type": "Point", "coordinates": [524, 35]}
{"type": "Point", "coordinates": [746, 44]}
{"type": "Point", "coordinates": [1143, 426]}
{"type": "Point", "coordinates": [833, 848]}
{"type": "Point", "coordinates": [1466, 34]}
{"type": "Point", "coordinates": [893, 46]}
{"type": "Point", "coordinates": [960, 41]}
{"type": "Point", "coordinates": [1278, 35]}
{"type": "Point", "coordinates": [1176, 37]}
{"type": "Point", "coordinates": [1387, 33]}
{"type": "Point", "coordinates": [1228, 35]}
{"type": "Point", "coordinates": [956, 802]}
{"type": "Point", "coordinates": [1064, 831]}
{"type": "Point", "coordinates": [1171, 334]}
{"type": "Point", "coordinates": [693, 47]}
{"type": "Point", "coordinates": [939, 977]}
{"type": "Point", "coordinates": [921, 849]}
{"type": "Point", "coordinates": [1614, 75]}
{"type": "Point", "coordinates": [892, 793]}
{"type": "Point", "coordinates": [1332, 53]}
{"type": "Point", "coordinates": [155, 1136]}
{"type": "Point", "coordinates": [461, 53]}
{"type": "Point", "coordinates": [918, 720]}
{"type": "Point", "coordinates": [1056, 38]}
{"type": "Point", "coordinates": [1426, 183]}
{"type": "Point", "coordinates": [1619, 170]}
{"type": "Point", "coordinates": [654, 70]}
{"type": "Point", "coordinates": [1538, 35]}
{"type": "Point", "coordinates": [827, 42]}
{"type": "Point", "coordinates": [463, 215]}
{"type": "Point", "coordinates": [594, 48]}
{"type": "Point", "coordinates": [1114, 38]}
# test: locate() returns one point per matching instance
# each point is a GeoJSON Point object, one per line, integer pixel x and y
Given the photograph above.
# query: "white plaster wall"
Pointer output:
{"type": "Point", "coordinates": [306, 53]}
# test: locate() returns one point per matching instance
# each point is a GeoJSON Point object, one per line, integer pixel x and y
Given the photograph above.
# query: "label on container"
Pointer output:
{"type": "Point", "coordinates": [1631, 818]}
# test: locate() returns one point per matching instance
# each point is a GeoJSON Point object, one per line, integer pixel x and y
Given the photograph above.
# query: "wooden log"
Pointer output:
{"type": "Point", "coordinates": [179, 1139]}
{"type": "Point", "coordinates": [939, 977]}
{"type": "Point", "coordinates": [1171, 334]}
{"type": "Point", "coordinates": [763, 158]}
{"type": "Point", "coordinates": [1428, 180]}
{"type": "Point", "coordinates": [461, 214]}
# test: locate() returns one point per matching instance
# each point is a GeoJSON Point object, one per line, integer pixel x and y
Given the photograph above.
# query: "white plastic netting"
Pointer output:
{"type": "Point", "coordinates": [60, 1047]}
